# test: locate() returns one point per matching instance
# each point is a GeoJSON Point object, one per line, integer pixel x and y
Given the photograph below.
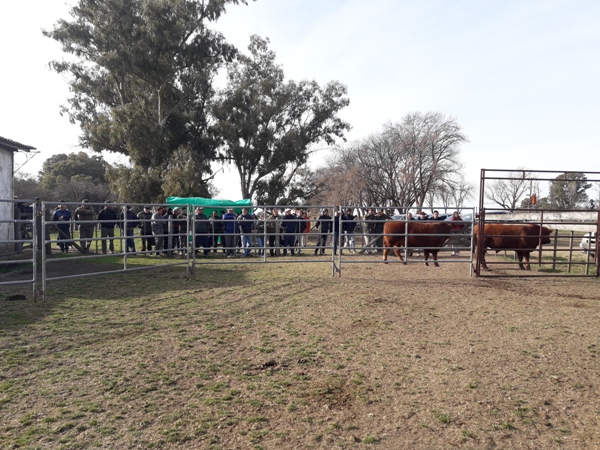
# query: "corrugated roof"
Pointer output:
{"type": "Point", "coordinates": [9, 144]}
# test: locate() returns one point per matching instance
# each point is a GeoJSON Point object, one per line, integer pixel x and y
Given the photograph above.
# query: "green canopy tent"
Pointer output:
{"type": "Point", "coordinates": [210, 204]}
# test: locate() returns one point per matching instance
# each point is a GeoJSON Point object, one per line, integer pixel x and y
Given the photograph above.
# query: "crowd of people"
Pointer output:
{"type": "Point", "coordinates": [280, 231]}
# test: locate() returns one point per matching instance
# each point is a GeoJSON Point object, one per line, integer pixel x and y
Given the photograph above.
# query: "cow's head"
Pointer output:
{"type": "Point", "coordinates": [546, 232]}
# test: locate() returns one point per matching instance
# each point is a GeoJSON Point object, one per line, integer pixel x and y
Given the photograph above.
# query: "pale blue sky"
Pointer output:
{"type": "Point", "coordinates": [521, 77]}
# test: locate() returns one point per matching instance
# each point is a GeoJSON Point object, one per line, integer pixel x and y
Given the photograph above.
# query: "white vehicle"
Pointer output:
{"type": "Point", "coordinates": [588, 243]}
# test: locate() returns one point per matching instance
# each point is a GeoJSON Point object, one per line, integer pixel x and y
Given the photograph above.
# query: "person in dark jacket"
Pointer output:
{"type": "Point", "coordinates": [231, 230]}
{"type": "Point", "coordinates": [145, 225]}
{"type": "Point", "coordinates": [202, 230]}
{"type": "Point", "coordinates": [85, 216]}
{"type": "Point", "coordinates": [380, 219]}
{"type": "Point", "coordinates": [274, 231]}
{"type": "Point", "coordinates": [159, 223]}
{"type": "Point", "coordinates": [324, 225]}
{"type": "Point", "coordinates": [183, 231]}
{"type": "Point", "coordinates": [259, 230]}
{"type": "Point", "coordinates": [349, 226]}
{"type": "Point", "coordinates": [128, 222]}
{"type": "Point", "coordinates": [245, 225]}
{"type": "Point", "coordinates": [216, 230]}
{"type": "Point", "coordinates": [369, 226]}
{"type": "Point", "coordinates": [63, 216]}
{"type": "Point", "coordinates": [289, 228]}
{"type": "Point", "coordinates": [108, 219]}
{"type": "Point", "coordinates": [337, 230]}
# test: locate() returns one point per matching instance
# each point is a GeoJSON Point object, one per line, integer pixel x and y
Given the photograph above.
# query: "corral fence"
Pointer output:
{"type": "Point", "coordinates": [62, 240]}
{"type": "Point", "coordinates": [573, 232]}
{"type": "Point", "coordinates": [19, 235]}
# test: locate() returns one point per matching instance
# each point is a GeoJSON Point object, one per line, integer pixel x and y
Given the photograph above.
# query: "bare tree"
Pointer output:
{"type": "Point", "coordinates": [406, 162]}
{"type": "Point", "coordinates": [430, 145]}
{"type": "Point", "coordinates": [451, 193]}
{"type": "Point", "coordinates": [339, 181]}
{"type": "Point", "coordinates": [507, 193]}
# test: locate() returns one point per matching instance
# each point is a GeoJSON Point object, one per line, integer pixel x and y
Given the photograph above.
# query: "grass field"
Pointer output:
{"type": "Point", "coordinates": [284, 356]}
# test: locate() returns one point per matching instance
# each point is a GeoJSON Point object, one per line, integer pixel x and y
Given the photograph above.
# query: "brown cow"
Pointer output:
{"type": "Point", "coordinates": [522, 238]}
{"type": "Point", "coordinates": [430, 236]}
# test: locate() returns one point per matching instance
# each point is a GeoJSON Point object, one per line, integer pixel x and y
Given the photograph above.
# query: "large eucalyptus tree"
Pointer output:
{"type": "Point", "coordinates": [140, 73]}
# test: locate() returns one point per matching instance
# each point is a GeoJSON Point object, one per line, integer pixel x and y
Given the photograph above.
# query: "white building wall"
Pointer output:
{"type": "Point", "coordinates": [6, 193]}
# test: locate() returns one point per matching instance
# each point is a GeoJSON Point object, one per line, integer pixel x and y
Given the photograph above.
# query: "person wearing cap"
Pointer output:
{"type": "Point", "coordinates": [201, 231]}
{"type": "Point", "coordinates": [231, 230]}
{"type": "Point", "coordinates": [422, 216]}
{"type": "Point", "coordinates": [324, 225]}
{"type": "Point", "coordinates": [85, 216]}
{"type": "Point", "coordinates": [145, 225]}
{"type": "Point", "coordinates": [108, 219]}
{"type": "Point", "coordinates": [63, 216]}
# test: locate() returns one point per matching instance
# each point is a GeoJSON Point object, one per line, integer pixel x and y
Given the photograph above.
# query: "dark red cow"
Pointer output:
{"type": "Point", "coordinates": [522, 238]}
{"type": "Point", "coordinates": [430, 236]}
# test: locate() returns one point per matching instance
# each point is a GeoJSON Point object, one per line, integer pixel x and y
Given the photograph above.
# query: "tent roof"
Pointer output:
{"type": "Point", "coordinates": [210, 204]}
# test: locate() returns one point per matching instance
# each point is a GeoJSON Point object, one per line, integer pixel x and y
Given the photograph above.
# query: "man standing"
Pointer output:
{"type": "Point", "coordinates": [324, 225]}
{"type": "Point", "coordinates": [230, 225]}
{"type": "Point", "coordinates": [349, 227]}
{"type": "Point", "coordinates": [273, 230]}
{"type": "Point", "coordinates": [108, 219]}
{"type": "Point", "coordinates": [127, 222]}
{"type": "Point", "coordinates": [183, 231]}
{"type": "Point", "coordinates": [201, 230]}
{"type": "Point", "coordinates": [216, 230]}
{"type": "Point", "coordinates": [370, 238]}
{"type": "Point", "coordinates": [145, 224]}
{"type": "Point", "coordinates": [380, 219]}
{"type": "Point", "coordinates": [289, 226]}
{"type": "Point", "coordinates": [246, 225]}
{"type": "Point", "coordinates": [63, 216]}
{"type": "Point", "coordinates": [85, 215]}
{"type": "Point", "coordinates": [338, 228]}
{"type": "Point", "coordinates": [159, 221]}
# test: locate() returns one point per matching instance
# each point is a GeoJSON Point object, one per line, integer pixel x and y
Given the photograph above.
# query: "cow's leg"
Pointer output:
{"type": "Point", "coordinates": [426, 254]}
{"type": "Point", "coordinates": [526, 256]}
{"type": "Point", "coordinates": [435, 261]}
{"type": "Point", "coordinates": [483, 262]}
{"type": "Point", "coordinates": [398, 252]}
{"type": "Point", "coordinates": [520, 255]}
{"type": "Point", "coordinates": [385, 253]}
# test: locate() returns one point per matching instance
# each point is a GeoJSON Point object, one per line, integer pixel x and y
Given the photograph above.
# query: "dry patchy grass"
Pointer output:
{"type": "Point", "coordinates": [284, 356]}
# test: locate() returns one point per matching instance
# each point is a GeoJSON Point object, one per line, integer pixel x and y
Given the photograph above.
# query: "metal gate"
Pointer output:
{"type": "Point", "coordinates": [561, 255]}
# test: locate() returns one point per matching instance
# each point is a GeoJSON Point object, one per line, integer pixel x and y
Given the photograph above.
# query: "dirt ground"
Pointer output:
{"type": "Point", "coordinates": [285, 356]}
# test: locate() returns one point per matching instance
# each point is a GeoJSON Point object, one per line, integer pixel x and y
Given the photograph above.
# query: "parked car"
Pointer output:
{"type": "Point", "coordinates": [588, 243]}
